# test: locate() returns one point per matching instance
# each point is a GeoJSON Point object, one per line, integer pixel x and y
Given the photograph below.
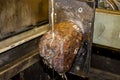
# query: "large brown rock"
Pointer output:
{"type": "Point", "coordinates": [59, 48]}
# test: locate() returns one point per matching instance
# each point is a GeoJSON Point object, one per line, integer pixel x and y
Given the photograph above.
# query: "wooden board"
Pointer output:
{"type": "Point", "coordinates": [19, 15]}
{"type": "Point", "coordinates": [22, 38]}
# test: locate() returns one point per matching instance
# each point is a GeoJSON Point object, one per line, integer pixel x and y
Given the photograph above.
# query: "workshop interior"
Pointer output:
{"type": "Point", "coordinates": [59, 39]}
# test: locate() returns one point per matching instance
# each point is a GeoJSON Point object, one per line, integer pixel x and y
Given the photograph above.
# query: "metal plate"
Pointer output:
{"type": "Point", "coordinates": [107, 28]}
